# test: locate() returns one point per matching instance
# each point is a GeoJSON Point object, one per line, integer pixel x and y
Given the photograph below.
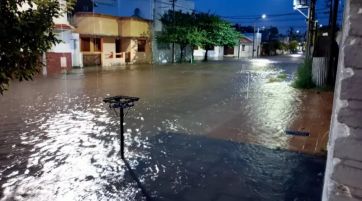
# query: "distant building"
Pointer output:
{"type": "Point", "coordinates": [142, 9]}
{"type": "Point", "coordinates": [256, 38]}
{"type": "Point", "coordinates": [243, 50]}
{"type": "Point", "coordinates": [146, 10]}
{"type": "Point", "coordinates": [109, 40]}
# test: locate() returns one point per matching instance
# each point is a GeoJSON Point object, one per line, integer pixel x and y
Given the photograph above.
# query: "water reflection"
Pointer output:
{"type": "Point", "coordinates": [74, 155]}
{"type": "Point", "coordinates": [59, 142]}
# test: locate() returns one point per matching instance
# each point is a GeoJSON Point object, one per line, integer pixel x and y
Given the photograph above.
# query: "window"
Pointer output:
{"type": "Point", "coordinates": [97, 45]}
{"type": "Point", "coordinates": [141, 47]}
{"type": "Point", "coordinates": [85, 44]}
{"type": "Point", "coordinates": [243, 48]}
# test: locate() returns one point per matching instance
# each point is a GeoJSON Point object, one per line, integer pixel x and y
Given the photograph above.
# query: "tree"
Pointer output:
{"type": "Point", "coordinates": [26, 32]}
{"type": "Point", "coordinates": [201, 29]}
{"type": "Point", "coordinates": [182, 32]}
{"type": "Point", "coordinates": [270, 34]}
{"type": "Point", "coordinates": [293, 46]}
{"type": "Point", "coordinates": [292, 34]}
{"type": "Point", "coordinates": [218, 32]}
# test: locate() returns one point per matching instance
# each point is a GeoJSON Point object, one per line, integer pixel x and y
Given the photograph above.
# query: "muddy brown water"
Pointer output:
{"type": "Point", "coordinates": [60, 142]}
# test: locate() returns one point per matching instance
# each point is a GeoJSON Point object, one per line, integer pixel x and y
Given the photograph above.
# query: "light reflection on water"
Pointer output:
{"type": "Point", "coordinates": [75, 155]}
{"type": "Point", "coordinates": [61, 142]}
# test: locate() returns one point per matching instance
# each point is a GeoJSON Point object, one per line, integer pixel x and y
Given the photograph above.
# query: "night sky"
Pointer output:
{"type": "Point", "coordinates": [245, 12]}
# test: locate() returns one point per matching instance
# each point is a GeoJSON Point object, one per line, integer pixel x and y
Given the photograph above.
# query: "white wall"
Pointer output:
{"type": "Point", "coordinates": [69, 44]}
{"type": "Point", "coordinates": [62, 19]}
{"type": "Point", "coordinates": [215, 54]}
{"type": "Point", "coordinates": [257, 43]}
{"type": "Point", "coordinates": [247, 53]}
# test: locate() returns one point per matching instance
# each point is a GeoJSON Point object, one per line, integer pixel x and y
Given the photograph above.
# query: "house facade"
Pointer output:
{"type": "Point", "coordinates": [147, 10]}
{"type": "Point", "coordinates": [66, 54]}
{"type": "Point", "coordinates": [109, 40]}
{"type": "Point", "coordinates": [243, 50]}
{"type": "Point", "coordinates": [256, 38]}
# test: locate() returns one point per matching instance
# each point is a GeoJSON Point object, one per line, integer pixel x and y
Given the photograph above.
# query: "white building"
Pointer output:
{"type": "Point", "coordinates": [256, 40]}
{"type": "Point", "coordinates": [66, 54]}
{"type": "Point", "coordinates": [245, 47]}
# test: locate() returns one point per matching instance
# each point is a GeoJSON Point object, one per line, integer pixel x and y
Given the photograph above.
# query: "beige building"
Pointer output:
{"type": "Point", "coordinates": [108, 40]}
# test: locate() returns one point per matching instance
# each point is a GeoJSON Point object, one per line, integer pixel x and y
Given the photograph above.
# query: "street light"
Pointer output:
{"type": "Point", "coordinates": [263, 16]}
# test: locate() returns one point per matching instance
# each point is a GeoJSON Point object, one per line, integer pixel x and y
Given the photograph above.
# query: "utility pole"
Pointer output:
{"type": "Point", "coordinates": [311, 28]}
{"type": "Point", "coordinates": [174, 24]}
{"type": "Point", "coordinates": [263, 16]}
{"type": "Point", "coordinates": [252, 55]}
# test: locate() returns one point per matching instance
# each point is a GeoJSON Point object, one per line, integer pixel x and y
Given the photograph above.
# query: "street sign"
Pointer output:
{"type": "Point", "coordinates": [300, 4]}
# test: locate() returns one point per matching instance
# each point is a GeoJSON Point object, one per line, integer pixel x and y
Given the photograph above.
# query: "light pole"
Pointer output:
{"type": "Point", "coordinates": [263, 16]}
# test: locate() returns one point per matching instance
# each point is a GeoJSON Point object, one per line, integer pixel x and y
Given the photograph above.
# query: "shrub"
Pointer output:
{"type": "Point", "coordinates": [279, 78]}
{"type": "Point", "coordinates": [303, 79]}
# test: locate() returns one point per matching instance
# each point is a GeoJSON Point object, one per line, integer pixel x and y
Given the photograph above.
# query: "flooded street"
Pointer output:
{"type": "Point", "coordinates": [208, 131]}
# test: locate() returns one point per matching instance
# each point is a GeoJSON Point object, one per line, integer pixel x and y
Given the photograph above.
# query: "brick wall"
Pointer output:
{"type": "Point", "coordinates": [343, 180]}
{"type": "Point", "coordinates": [53, 60]}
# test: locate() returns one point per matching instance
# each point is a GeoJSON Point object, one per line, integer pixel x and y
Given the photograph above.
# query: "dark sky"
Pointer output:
{"type": "Point", "coordinates": [242, 12]}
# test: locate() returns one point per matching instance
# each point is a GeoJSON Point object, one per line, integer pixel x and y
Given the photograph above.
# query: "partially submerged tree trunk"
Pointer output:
{"type": "Point", "coordinates": [192, 54]}
{"type": "Point", "coordinates": [182, 49]}
{"type": "Point", "coordinates": [206, 54]}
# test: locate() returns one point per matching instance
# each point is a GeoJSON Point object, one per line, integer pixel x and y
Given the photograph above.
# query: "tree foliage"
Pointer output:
{"type": "Point", "coordinates": [293, 46]}
{"type": "Point", "coordinates": [270, 33]}
{"type": "Point", "coordinates": [196, 29]}
{"type": "Point", "coordinates": [26, 32]}
{"type": "Point", "coordinates": [179, 28]}
{"type": "Point", "coordinates": [218, 32]}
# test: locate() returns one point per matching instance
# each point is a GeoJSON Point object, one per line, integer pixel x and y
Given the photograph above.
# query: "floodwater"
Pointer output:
{"type": "Point", "coordinates": [209, 131]}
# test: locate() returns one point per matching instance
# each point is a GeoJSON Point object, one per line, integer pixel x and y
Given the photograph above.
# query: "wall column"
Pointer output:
{"type": "Point", "coordinates": [343, 179]}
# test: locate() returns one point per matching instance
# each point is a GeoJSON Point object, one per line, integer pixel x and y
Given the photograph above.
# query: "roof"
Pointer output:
{"type": "Point", "coordinates": [111, 16]}
{"type": "Point", "coordinates": [63, 27]}
{"type": "Point", "coordinates": [245, 39]}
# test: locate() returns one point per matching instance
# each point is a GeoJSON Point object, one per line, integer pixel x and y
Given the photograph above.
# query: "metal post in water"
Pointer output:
{"type": "Point", "coordinates": [123, 102]}
{"type": "Point", "coordinates": [121, 133]}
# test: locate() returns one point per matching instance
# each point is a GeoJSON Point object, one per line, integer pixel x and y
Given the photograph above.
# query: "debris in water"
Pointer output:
{"type": "Point", "coordinates": [297, 133]}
